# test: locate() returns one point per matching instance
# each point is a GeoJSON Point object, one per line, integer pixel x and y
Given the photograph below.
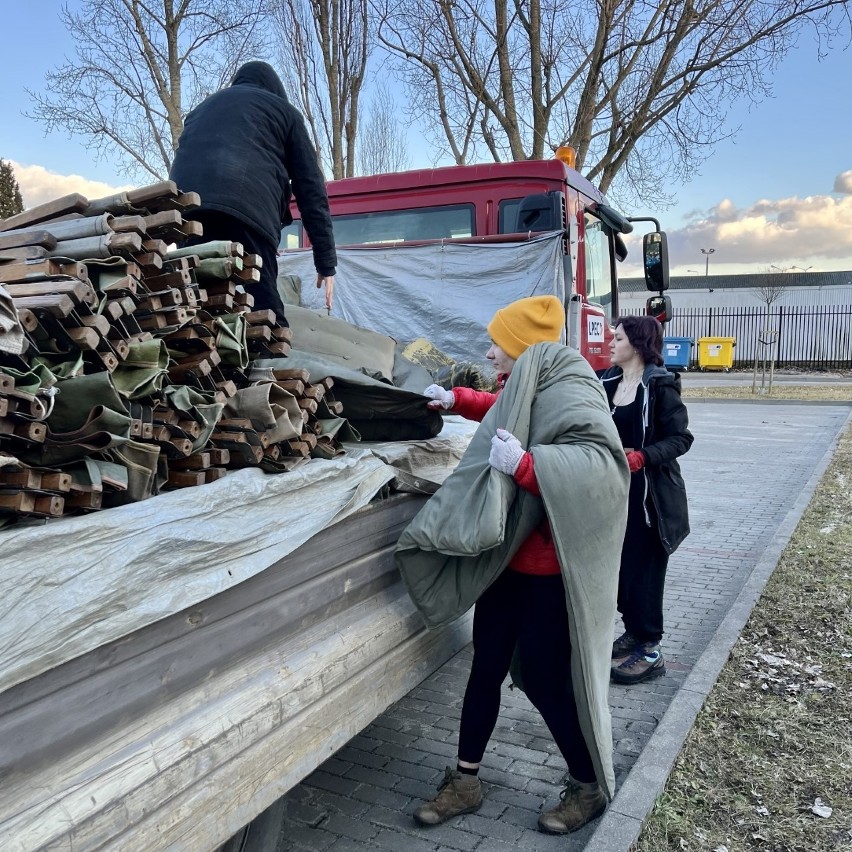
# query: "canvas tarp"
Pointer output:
{"type": "Point", "coordinates": [75, 584]}
{"type": "Point", "coordinates": [446, 292]}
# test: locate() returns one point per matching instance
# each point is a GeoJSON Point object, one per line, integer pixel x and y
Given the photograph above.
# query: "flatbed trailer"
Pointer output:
{"type": "Point", "coordinates": [177, 733]}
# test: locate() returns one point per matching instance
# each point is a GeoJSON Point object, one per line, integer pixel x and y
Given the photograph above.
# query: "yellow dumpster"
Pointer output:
{"type": "Point", "coordinates": [716, 353]}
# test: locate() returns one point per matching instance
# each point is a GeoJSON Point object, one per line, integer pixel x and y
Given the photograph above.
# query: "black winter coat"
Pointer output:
{"type": "Point", "coordinates": [241, 149]}
{"type": "Point", "coordinates": [662, 433]}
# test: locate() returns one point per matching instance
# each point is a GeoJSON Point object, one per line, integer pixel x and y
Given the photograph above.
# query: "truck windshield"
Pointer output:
{"type": "Point", "coordinates": [395, 226]}
{"type": "Point", "coordinates": [598, 264]}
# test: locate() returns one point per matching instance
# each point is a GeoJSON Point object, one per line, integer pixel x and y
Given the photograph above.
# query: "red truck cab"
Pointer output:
{"type": "Point", "coordinates": [488, 203]}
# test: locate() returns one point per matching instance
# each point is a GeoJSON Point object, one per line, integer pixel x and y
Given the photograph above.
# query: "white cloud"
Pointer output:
{"type": "Point", "coordinates": [843, 183]}
{"type": "Point", "coordinates": [38, 185]}
{"type": "Point", "coordinates": [814, 231]}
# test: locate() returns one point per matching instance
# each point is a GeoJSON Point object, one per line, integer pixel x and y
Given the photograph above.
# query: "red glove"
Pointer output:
{"type": "Point", "coordinates": [635, 460]}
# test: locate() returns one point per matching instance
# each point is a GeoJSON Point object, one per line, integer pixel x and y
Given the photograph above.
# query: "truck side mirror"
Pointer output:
{"type": "Point", "coordinates": [655, 253]}
{"type": "Point", "coordinates": [660, 308]}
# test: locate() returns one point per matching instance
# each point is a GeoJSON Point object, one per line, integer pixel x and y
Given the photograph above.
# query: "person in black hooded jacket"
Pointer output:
{"type": "Point", "coordinates": [241, 149]}
{"type": "Point", "coordinates": [653, 424]}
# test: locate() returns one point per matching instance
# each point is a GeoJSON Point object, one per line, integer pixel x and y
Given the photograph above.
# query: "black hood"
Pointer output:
{"type": "Point", "coordinates": [262, 75]}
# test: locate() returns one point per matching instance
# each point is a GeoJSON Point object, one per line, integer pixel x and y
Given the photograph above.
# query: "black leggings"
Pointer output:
{"type": "Point", "coordinates": [530, 612]}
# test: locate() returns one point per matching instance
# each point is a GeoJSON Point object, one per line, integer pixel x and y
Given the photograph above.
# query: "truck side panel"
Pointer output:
{"type": "Point", "coordinates": [181, 733]}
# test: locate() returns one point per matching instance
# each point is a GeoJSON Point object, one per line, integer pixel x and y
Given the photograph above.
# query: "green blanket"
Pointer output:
{"type": "Point", "coordinates": [468, 531]}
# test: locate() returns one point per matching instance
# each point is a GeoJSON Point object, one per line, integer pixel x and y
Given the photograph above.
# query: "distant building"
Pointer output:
{"type": "Point", "coordinates": [810, 320]}
{"type": "Point", "coordinates": [732, 291]}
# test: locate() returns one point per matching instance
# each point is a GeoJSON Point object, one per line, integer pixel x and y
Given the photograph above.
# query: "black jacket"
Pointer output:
{"type": "Point", "coordinates": [241, 149]}
{"type": "Point", "coordinates": [662, 433]}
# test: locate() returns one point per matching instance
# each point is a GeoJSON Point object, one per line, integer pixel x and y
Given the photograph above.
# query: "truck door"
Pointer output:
{"type": "Point", "coordinates": [600, 302]}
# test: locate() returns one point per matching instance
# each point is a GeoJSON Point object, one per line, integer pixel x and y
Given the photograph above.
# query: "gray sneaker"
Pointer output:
{"type": "Point", "coordinates": [645, 662]}
{"type": "Point", "coordinates": [457, 794]}
{"type": "Point", "coordinates": [580, 803]}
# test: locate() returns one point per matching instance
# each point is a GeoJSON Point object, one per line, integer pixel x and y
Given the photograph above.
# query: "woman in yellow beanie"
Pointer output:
{"type": "Point", "coordinates": [524, 607]}
{"type": "Point", "coordinates": [513, 329]}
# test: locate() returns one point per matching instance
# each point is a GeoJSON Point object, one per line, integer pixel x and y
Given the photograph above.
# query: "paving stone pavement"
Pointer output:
{"type": "Point", "coordinates": [745, 475]}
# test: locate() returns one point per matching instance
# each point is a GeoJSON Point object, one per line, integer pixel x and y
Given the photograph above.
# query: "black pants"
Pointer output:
{"type": "Point", "coordinates": [221, 226]}
{"type": "Point", "coordinates": [642, 578]}
{"type": "Point", "coordinates": [530, 612]}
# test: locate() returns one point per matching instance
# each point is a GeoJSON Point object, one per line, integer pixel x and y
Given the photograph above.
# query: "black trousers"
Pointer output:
{"type": "Point", "coordinates": [221, 226]}
{"type": "Point", "coordinates": [642, 578]}
{"type": "Point", "coordinates": [530, 612]}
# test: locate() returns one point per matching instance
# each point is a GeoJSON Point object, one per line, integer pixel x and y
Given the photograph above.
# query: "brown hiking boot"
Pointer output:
{"type": "Point", "coordinates": [644, 663]}
{"type": "Point", "coordinates": [457, 794]}
{"type": "Point", "coordinates": [580, 804]}
{"type": "Point", "coordinates": [623, 646]}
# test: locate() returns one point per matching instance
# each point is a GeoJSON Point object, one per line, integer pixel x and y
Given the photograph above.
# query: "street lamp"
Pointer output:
{"type": "Point", "coordinates": [707, 252]}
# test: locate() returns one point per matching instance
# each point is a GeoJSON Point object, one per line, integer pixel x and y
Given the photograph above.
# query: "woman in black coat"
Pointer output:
{"type": "Point", "coordinates": [653, 423]}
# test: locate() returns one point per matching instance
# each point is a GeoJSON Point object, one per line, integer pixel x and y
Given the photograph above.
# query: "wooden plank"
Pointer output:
{"type": "Point", "coordinates": [279, 349]}
{"type": "Point", "coordinates": [27, 318]}
{"type": "Point", "coordinates": [85, 338]}
{"type": "Point", "coordinates": [124, 243]}
{"type": "Point", "coordinates": [152, 192]}
{"type": "Point", "coordinates": [294, 386]}
{"type": "Point", "coordinates": [262, 318]}
{"type": "Point", "coordinates": [219, 455]}
{"type": "Point", "coordinates": [46, 268]}
{"type": "Point", "coordinates": [73, 203]}
{"type": "Point", "coordinates": [185, 478]}
{"type": "Point", "coordinates": [27, 478]}
{"type": "Point", "coordinates": [259, 332]}
{"type": "Point", "coordinates": [85, 500]}
{"type": "Point", "coordinates": [197, 461]}
{"type": "Point", "coordinates": [55, 481]}
{"type": "Point", "coordinates": [292, 373]}
{"type": "Point", "coordinates": [18, 239]}
{"type": "Point", "coordinates": [13, 255]}
{"type": "Point", "coordinates": [35, 432]}
{"type": "Point", "coordinates": [129, 224]}
{"type": "Point", "coordinates": [79, 291]}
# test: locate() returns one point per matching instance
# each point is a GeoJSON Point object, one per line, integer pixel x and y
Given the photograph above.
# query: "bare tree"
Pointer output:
{"type": "Point", "coordinates": [139, 67]}
{"type": "Point", "coordinates": [325, 50]}
{"type": "Point", "coordinates": [770, 289]}
{"type": "Point", "coordinates": [641, 90]}
{"type": "Point", "coordinates": [381, 143]}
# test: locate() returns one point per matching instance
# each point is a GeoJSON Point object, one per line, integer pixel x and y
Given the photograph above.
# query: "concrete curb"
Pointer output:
{"type": "Point", "coordinates": [620, 826]}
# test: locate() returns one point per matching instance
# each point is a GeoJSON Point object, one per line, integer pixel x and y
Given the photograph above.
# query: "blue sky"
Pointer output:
{"type": "Point", "coordinates": [779, 193]}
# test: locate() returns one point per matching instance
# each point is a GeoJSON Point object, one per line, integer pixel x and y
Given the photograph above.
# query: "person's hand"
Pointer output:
{"type": "Point", "coordinates": [635, 460]}
{"type": "Point", "coordinates": [441, 398]}
{"type": "Point", "coordinates": [328, 280]}
{"type": "Point", "coordinates": [506, 452]}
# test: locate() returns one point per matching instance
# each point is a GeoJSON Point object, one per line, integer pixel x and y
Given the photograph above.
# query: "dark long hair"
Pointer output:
{"type": "Point", "coordinates": [646, 336]}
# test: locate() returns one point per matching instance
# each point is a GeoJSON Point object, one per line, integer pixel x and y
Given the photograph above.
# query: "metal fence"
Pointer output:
{"type": "Point", "coordinates": [819, 337]}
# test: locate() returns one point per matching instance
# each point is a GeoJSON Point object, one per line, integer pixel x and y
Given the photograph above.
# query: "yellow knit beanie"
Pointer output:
{"type": "Point", "coordinates": [525, 322]}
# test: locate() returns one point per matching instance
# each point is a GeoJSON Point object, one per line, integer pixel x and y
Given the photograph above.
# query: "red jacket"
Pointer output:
{"type": "Point", "coordinates": [537, 555]}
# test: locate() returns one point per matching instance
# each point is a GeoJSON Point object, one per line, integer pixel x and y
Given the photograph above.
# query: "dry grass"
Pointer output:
{"type": "Point", "coordinates": [837, 393]}
{"type": "Point", "coordinates": [768, 764]}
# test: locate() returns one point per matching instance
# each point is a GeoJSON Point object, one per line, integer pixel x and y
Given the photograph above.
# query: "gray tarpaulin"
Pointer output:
{"type": "Point", "coordinates": [445, 292]}
{"type": "Point", "coordinates": [75, 584]}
